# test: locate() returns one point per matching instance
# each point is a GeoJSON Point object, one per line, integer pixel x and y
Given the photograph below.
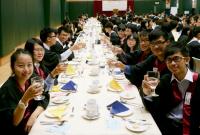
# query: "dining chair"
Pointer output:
{"type": "Point", "coordinates": [196, 64]}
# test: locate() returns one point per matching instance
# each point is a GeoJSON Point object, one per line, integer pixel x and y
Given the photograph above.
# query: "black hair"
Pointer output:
{"type": "Point", "coordinates": [196, 30]}
{"type": "Point", "coordinates": [121, 27]}
{"type": "Point", "coordinates": [175, 48]}
{"type": "Point", "coordinates": [157, 33]}
{"type": "Point", "coordinates": [30, 43]}
{"type": "Point", "coordinates": [133, 27]}
{"type": "Point", "coordinates": [144, 33]}
{"type": "Point", "coordinates": [16, 54]}
{"type": "Point", "coordinates": [133, 36]}
{"type": "Point", "coordinates": [66, 29]}
{"type": "Point", "coordinates": [44, 33]}
{"type": "Point", "coordinates": [108, 25]}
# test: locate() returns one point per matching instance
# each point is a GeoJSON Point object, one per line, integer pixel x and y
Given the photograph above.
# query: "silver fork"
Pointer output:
{"type": "Point", "coordinates": [59, 123]}
{"type": "Point", "coordinates": [72, 113]}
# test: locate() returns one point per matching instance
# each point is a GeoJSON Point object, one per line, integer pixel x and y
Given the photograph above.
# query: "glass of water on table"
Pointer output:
{"type": "Point", "coordinates": [153, 80]}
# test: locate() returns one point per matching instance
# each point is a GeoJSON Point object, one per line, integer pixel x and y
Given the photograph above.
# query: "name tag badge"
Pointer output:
{"type": "Point", "coordinates": [187, 98]}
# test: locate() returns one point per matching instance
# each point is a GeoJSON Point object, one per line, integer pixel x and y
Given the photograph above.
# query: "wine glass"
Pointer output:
{"type": "Point", "coordinates": [40, 81]}
{"type": "Point", "coordinates": [153, 80]}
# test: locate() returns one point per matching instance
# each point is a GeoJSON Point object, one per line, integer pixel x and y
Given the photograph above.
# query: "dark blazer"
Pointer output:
{"type": "Point", "coordinates": [114, 38]}
{"type": "Point", "coordinates": [183, 39]}
{"type": "Point", "coordinates": [139, 70]}
{"type": "Point", "coordinates": [163, 104]}
{"type": "Point", "coordinates": [9, 99]}
{"type": "Point", "coordinates": [133, 58]}
{"type": "Point", "coordinates": [194, 49]}
{"type": "Point", "coordinates": [51, 59]}
{"type": "Point", "coordinates": [58, 48]}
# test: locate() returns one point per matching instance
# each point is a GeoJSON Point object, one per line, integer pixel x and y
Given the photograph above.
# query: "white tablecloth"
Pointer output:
{"type": "Point", "coordinates": [106, 124]}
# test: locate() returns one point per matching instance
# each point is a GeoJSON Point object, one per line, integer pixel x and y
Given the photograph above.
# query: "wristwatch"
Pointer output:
{"type": "Point", "coordinates": [22, 105]}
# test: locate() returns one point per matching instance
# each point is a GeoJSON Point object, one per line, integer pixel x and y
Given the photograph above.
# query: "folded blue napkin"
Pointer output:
{"type": "Point", "coordinates": [117, 107]}
{"type": "Point", "coordinates": [71, 86]}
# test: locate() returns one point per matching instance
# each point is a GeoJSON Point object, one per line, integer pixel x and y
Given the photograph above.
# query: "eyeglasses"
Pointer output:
{"type": "Point", "coordinates": [52, 36]}
{"type": "Point", "coordinates": [39, 50]}
{"type": "Point", "coordinates": [157, 43]}
{"type": "Point", "coordinates": [144, 40]}
{"type": "Point", "coordinates": [175, 59]}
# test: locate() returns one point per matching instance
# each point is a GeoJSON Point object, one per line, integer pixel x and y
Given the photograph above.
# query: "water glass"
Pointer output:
{"type": "Point", "coordinates": [40, 81]}
{"type": "Point", "coordinates": [153, 80]}
{"type": "Point", "coordinates": [91, 108]}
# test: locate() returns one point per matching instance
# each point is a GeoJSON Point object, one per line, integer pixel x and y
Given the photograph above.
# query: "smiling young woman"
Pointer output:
{"type": "Point", "coordinates": [18, 110]}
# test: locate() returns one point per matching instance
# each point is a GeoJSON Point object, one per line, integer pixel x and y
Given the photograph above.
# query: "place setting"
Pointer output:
{"type": "Point", "coordinates": [114, 86]}
{"type": "Point", "coordinates": [60, 100]}
{"type": "Point", "coordinates": [70, 71]}
{"type": "Point", "coordinates": [137, 124]}
{"type": "Point", "coordinates": [56, 112]}
{"type": "Point", "coordinates": [91, 110]}
{"type": "Point", "coordinates": [94, 71]}
{"type": "Point", "coordinates": [70, 86]}
{"type": "Point", "coordinates": [118, 74]}
{"type": "Point", "coordinates": [94, 87]}
{"type": "Point", "coordinates": [119, 109]}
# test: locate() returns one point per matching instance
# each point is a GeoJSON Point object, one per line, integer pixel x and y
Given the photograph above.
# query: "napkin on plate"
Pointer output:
{"type": "Point", "coordinates": [70, 70]}
{"type": "Point", "coordinates": [55, 88]}
{"type": "Point", "coordinates": [115, 85]}
{"type": "Point", "coordinates": [117, 107]}
{"type": "Point", "coordinates": [57, 111]}
{"type": "Point", "coordinates": [71, 86]}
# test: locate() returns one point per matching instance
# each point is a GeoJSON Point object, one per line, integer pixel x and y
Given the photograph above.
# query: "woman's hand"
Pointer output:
{"type": "Point", "coordinates": [30, 123]}
{"type": "Point", "coordinates": [61, 67]}
{"type": "Point", "coordinates": [33, 91]}
{"type": "Point", "coordinates": [33, 118]}
{"type": "Point", "coordinates": [117, 50]}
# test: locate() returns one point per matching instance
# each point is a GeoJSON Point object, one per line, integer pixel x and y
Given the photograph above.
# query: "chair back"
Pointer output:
{"type": "Point", "coordinates": [196, 64]}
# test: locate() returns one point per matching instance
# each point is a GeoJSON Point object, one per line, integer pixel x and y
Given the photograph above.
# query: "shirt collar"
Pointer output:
{"type": "Point", "coordinates": [57, 39]}
{"type": "Point", "coordinates": [188, 76]}
{"type": "Point", "coordinates": [46, 46]}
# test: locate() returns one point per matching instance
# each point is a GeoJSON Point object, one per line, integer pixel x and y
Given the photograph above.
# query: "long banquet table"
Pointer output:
{"type": "Point", "coordinates": [106, 123]}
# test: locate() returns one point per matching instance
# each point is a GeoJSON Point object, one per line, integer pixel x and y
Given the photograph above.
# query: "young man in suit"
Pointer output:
{"type": "Point", "coordinates": [51, 59]}
{"type": "Point", "coordinates": [176, 109]}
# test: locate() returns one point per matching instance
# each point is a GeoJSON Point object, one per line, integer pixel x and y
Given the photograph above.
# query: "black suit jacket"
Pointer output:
{"type": "Point", "coordinates": [51, 59]}
{"type": "Point", "coordinates": [163, 104]}
{"type": "Point", "coordinates": [58, 48]}
{"type": "Point", "coordinates": [194, 49]}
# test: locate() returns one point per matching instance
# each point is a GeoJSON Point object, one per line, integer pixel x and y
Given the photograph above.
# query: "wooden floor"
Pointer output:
{"type": "Point", "coordinates": [5, 72]}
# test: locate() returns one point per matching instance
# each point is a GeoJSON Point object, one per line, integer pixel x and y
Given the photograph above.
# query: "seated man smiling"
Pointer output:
{"type": "Point", "coordinates": [177, 106]}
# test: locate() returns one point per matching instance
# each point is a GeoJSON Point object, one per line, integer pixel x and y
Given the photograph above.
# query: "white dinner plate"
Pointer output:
{"type": "Point", "coordinates": [114, 90]}
{"type": "Point", "coordinates": [136, 126]}
{"type": "Point", "coordinates": [92, 62]}
{"type": "Point", "coordinates": [127, 95]}
{"type": "Point", "coordinates": [60, 100]}
{"type": "Point", "coordinates": [124, 114]}
{"type": "Point", "coordinates": [119, 77]}
{"type": "Point", "coordinates": [90, 118]}
{"type": "Point", "coordinates": [93, 91]}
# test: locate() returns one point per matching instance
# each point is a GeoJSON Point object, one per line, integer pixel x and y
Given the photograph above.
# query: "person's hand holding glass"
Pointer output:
{"type": "Point", "coordinates": [61, 67]}
{"type": "Point", "coordinates": [150, 83]}
{"type": "Point", "coordinates": [38, 83]}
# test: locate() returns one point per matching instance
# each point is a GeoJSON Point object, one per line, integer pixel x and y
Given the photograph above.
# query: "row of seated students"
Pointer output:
{"type": "Point", "coordinates": [172, 42]}
{"type": "Point", "coordinates": [40, 57]}
{"type": "Point", "coordinates": [133, 48]}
